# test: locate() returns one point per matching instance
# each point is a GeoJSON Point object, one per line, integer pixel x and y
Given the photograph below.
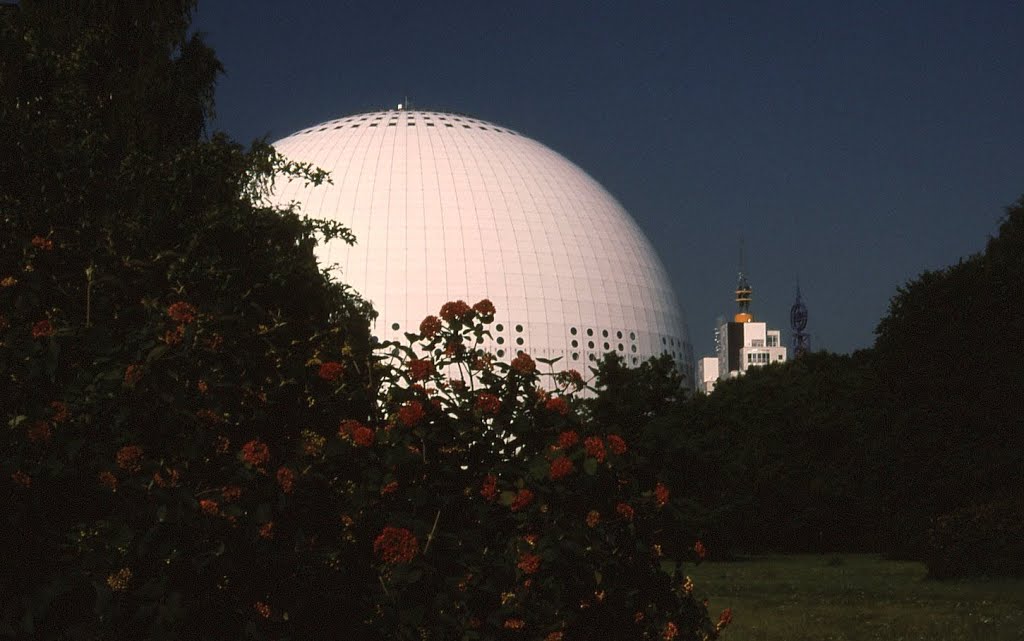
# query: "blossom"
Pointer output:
{"type": "Point", "coordinates": [484, 361]}
{"type": "Point", "coordinates": [40, 242]}
{"type": "Point", "coordinates": [430, 326]}
{"type": "Point", "coordinates": [262, 609]}
{"type": "Point", "coordinates": [514, 624]}
{"type": "Point", "coordinates": [40, 432]}
{"type": "Point", "coordinates": [389, 488]}
{"type": "Point", "coordinates": [61, 412]}
{"type": "Point", "coordinates": [231, 493]}
{"type": "Point", "coordinates": [484, 308]}
{"type": "Point", "coordinates": [570, 377]}
{"type": "Point", "coordinates": [670, 631]}
{"type": "Point", "coordinates": [489, 487]}
{"type": "Point", "coordinates": [266, 531]}
{"type": "Point", "coordinates": [558, 405]}
{"type": "Point", "coordinates": [202, 386]}
{"type": "Point", "coordinates": [108, 479]}
{"type": "Point", "coordinates": [129, 458]}
{"type": "Point", "coordinates": [625, 511]}
{"type": "Point", "coordinates": [43, 329]}
{"type": "Point", "coordinates": [595, 447]}
{"type": "Point", "coordinates": [688, 586]}
{"type": "Point", "coordinates": [174, 336]}
{"type": "Point", "coordinates": [256, 453]}
{"type": "Point", "coordinates": [560, 468]}
{"type": "Point", "coordinates": [312, 443]}
{"type": "Point", "coordinates": [555, 636]}
{"type": "Point", "coordinates": [331, 370]}
{"type": "Point", "coordinates": [8, 281]}
{"type": "Point", "coordinates": [209, 507]}
{"type": "Point", "coordinates": [567, 439]}
{"type": "Point", "coordinates": [699, 548]}
{"type": "Point", "coordinates": [724, 619]}
{"type": "Point", "coordinates": [524, 364]}
{"type": "Point", "coordinates": [661, 494]}
{"type": "Point", "coordinates": [528, 563]}
{"type": "Point", "coordinates": [132, 375]}
{"type": "Point", "coordinates": [171, 480]}
{"type": "Point", "coordinates": [454, 347]}
{"type": "Point", "coordinates": [363, 436]}
{"type": "Point", "coordinates": [21, 478]}
{"type": "Point", "coordinates": [455, 310]}
{"type": "Point", "coordinates": [420, 368]}
{"type": "Point", "coordinates": [616, 444]}
{"type": "Point", "coordinates": [523, 498]}
{"type": "Point", "coordinates": [118, 581]}
{"type": "Point", "coordinates": [487, 403]}
{"type": "Point", "coordinates": [286, 479]}
{"type": "Point", "coordinates": [396, 545]}
{"type": "Point", "coordinates": [182, 312]}
{"type": "Point", "coordinates": [593, 518]}
{"type": "Point", "coordinates": [410, 413]}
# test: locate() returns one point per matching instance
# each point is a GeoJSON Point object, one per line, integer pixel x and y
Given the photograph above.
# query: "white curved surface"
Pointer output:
{"type": "Point", "coordinates": [446, 207]}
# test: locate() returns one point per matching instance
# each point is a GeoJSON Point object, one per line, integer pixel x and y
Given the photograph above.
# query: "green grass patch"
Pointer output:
{"type": "Point", "coordinates": [857, 597]}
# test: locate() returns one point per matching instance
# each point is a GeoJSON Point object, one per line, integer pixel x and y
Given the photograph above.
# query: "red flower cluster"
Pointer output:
{"type": "Point", "coordinates": [331, 370]}
{"type": "Point", "coordinates": [567, 439]}
{"type": "Point", "coordinates": [108, 479]}
{"type": "Point", "coordinates": [560, 468]}
{"type": "Point", "coordinates": [724, 619]}
{"type": "Point", "coordinates": [523, 498]}
{"type": "Point", "coordinates": [209, 507]}
{"type": "Point", "coordinates": [21, 478]}
{"type": "Point", "coordinates": [396, 545]}
{"type": "Point", "coordinates": [701, 551]}
{"type": "Point", "coordinates": [61, 412]}
{"type": "Point", "coordinates": [286, 479]}
{"type": "Point", "coordinates": [132, 375]}
{"type": "Point", "coordinates": [40, 432]}
{"type": "Point", "coordinates": [484, 308]}
{"type": "Point", "coordinates": [528, 563]}
{"type": "Point", "coordinates": [43, 329]}
{"type": "Point", "coordinates": [174, 336]}
{"type": "Point", "coordinates": [230, 493]}
{"type": "Point", "coordinates": [411, 413]}
{"type": "Point", "coordinates": [616, 444]}
{"type": "Point", "coordinates": [571, 378]}
{"type": "Point", "coordinates": [266, 530]}
{"type": "Point", "coordinates": [129, 458]}
{"type": "Point", "coordinates": [670, 631]}
{"type": "Point", "coordinates": [455, 310]}
{"type": "Point", "coordinates": [625, 511]}
{"type": "Point", "coordinates": [514, 624]}
{"type": "Point", "coordinates": [489, 488]}
{"type": "Point", "coordinates": [661, 494]}
{"type": "Point", "coordinates": [558, 405]}
{"type": "Point", "coordinates": [262, 609]}
{"type": "Point", "coordinates": [171, 480]}
{"type": "Point", "coordinates": [256, 453]}
{"type": "Point", "coordinates": [356, 432]}
{"type": "Point", "coordinates": [41, 242]}
{"type": "Point", "coordinates": [430, 326]}
{"type": "Point", "coordinates": [487, 403]}
{"type": "Point", "coordinates": [420, 368]}
{"type": "Point", "coordinates": [524, 364]}
{"type": "Point", "coordinates": [594, 447]}
{"type": "Point", "coordinates": [182, 312]}
{"type": "Point", "coordinates": [593, 518]}
{"type": "Point", "coordinates": [389, 488]}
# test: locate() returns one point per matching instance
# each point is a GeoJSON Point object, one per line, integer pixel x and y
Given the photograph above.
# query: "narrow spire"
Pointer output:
{"type": "Point", "coordinates": [744, 293]}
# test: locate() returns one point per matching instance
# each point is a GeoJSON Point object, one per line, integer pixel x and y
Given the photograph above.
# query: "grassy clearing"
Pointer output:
{"type": "Point", "coordinates": [857, 598]}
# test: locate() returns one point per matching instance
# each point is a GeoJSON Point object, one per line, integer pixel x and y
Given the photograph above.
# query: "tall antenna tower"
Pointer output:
{"type": "Point", "coordinates": [798, 321]}
{"type": "Point", "coordinates": [744, 293]}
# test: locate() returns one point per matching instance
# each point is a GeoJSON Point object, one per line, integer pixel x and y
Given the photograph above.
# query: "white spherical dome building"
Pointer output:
{"type": "Point", "coordinates": [447, 207]}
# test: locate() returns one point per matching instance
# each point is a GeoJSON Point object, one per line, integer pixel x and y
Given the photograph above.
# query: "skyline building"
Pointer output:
{"type": "Point", "coordinates": [446, 206]}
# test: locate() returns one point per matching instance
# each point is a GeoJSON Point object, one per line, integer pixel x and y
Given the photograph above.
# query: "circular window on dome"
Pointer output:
{"type": "Point", "coordinates": [575, 343]}
{"type": "Point", "coordinates": [605, 333]}
{"type": "Point", "coordinates": [621, 349]}
{"type": "Point", "coordinates": [499, 327]}
{"type": "Point", "coordinates": [590, 344]}
{"type": "Point", "coordinates": [632, 348]}
{"type": "Point", "coordinates": [519, 341]}
{"type": "Point", "coordinates": [590, 332]}
{"type": "Point", "coordinates": [501, 340]}
{"type": "Point", "coordinates": [606, 346]}
{"type": "Point", "coordinates": [519, 328]}
{"type": "Point", "coordinates": [575, 356]}
{"type": "Point", "coordinates": [632, 336]}
{"type": "Point", "coordinates": [618, 334]}
{"type": "Point", "coordinates": [501, 353]}
{"type": "Point", "coordinates": [395, 326]}
{"type": "Point", "coordinates": [663, 341]}
{"type": "Point", "coordinates": [592, 357]}
{"type": "Point", "coordinates": [572, 331]}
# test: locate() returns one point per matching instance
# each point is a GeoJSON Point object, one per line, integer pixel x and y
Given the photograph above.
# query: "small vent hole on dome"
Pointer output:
{"type": "Point", "coordinates": [519, 341]}
{"type": "Point", "coordinates": [590, 332]}
{"type": "Point", "coordinates": [519, 328]}
{"type": "Point", "coordinates": [575, 343]}
{"type": "Point", "coordinates": [633, 348]}
{"type": "Point", "coordinates": [430, 124]}
{"type": "Point", "coordinates": [604, 333]}
{"type": "Point", "coordinates": [448, 124]}
{"type": "Point", "coordinates": [575, 356]}
{"type": "Point", "coordinates": [391, 124]}
{"type": "Point", "coordinates": [373, 124]}
{"type": "Point", "coordinates": [572, 331]}
{"type": "Point", "coordinates": [466, 127]}
{"type": "Point", "coordinates": [499, 327]}
{"type": "Point", "coordinates": [410, 124]}
{"type": "Point", "coordinates": [590, 344]}
{"type": "Point", "coordinates": [606, 346]}
{"type": "Point", "coordinates": [501, 340]}
{"type": "Point", "coordinates": [618, 334]}
{"type": "Point", "coordinates": [501, 353]}
{"type": "Point", "coordinates": [395, 326]}
{"type": "Point", "coordinates": [632, 336]}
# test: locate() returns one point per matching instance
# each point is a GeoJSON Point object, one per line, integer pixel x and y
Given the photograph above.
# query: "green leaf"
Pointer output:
{"type": "Point", "coordinates": [590, 466]}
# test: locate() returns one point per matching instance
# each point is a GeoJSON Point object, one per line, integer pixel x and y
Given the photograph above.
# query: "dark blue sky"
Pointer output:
{"type": "Point", "coordinates": [851, 143]}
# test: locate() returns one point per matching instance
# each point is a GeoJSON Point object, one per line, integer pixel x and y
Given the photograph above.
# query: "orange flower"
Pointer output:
{"type": "Point", "coordinates": [489, 488]}
{"type": "Point", "coordinates": [331, 370]}
{"type": "Point", "coordinates": [21, 478]}
{"type": "Point", "coordinates": [595, 447]}
{"type": "Point", "coordinates": [455, 310]}
{"type": "Point", "coordinates": [202, 386]}
{"type": "Point", "coordinates": [593, 518]}
{"type": "Point", "coordinates": [108, 479]}
{"type": "Point", "coordinates": [670, 631]}
{"type": "Point", "coordinates": [430, 326]}
{"type": "Point", "coordinates": [262, 609]}
{"type": "Point", "coordinates": [266, 530]}
{"type": "Point", "coordinates": [43, 329]}
{"type": "Point", "coordinates": [39, 242]}
{"type": "Point", "coordinates": [171, 480]}
{"type": "Point", "coordinates": [616, 444]}
{"type": "Point", "coordinates": [524, 364]}
{"type": "Point", "coordinates": [389, 488]}
{"type": "Point", "coordinates": [558, 405]}
{"type": "Point", "coordinates": [256, 453]}
{"type": "Point", "coordinates": [514, 624]}
{"type": "Point", "coordinates": [129, 458]}
{"type": "Point", "coordinates": [555, 636]}
{"type": "Point", "coordinates": [396, 545]}
{"type": "Point", "coordinates": [118, 581]}
{"type": "Point", "coordinates": [570, 378]}
{"type": "Point", "coordinates": [724, 619]}
{"type": "Point", "coordinates": [286, 479]}
{"type": "Point", "coordinates": [560, 468]}
{"type": "Point", "coordinates": [174, 336]}
{"type": "Point", "coordinates": [231, 493]}
{"type": "Point", "coordinates": [699, 548]}
{"type": "Point", "coordinates": [661, 494]}
{"type": "Point", "coordinates": [487, 403]}
{"type": "Point", "coordinates": [410, 413]}
{"type": "Point", "coordinates": [209, 507]}
{"type": "Point", "coordinates": [625, 511]}
{"type": "Point", "coordinates": [528, 563]}
{"type": "Point", "coordinates": [523, 498]}
{"type": "Point", "coordinates": [182, 312]}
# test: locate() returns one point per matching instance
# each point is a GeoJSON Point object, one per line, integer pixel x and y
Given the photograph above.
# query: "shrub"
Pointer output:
{"type": "Point", "coordinates": [985, 539]}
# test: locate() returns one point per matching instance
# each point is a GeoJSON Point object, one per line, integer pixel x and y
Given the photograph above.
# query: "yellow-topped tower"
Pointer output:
{"type": "Point", "coordinates": [743, 296]}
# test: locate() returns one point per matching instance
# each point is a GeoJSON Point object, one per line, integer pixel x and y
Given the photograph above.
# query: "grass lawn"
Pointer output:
{"type": "Point", "coordinates": [855, 598]}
